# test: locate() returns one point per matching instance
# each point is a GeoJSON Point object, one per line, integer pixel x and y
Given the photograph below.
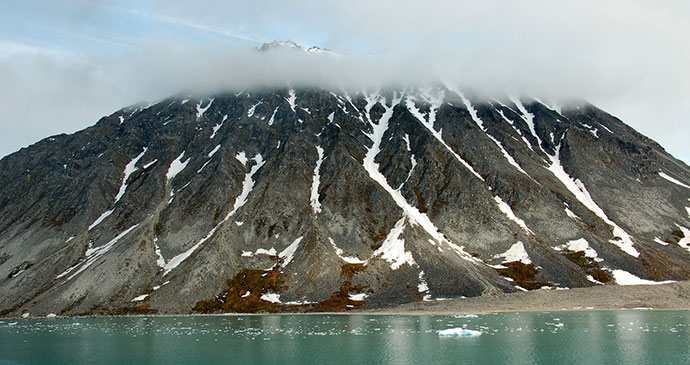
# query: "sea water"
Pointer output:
{"type": "Point", "coordinates": [626, 337]}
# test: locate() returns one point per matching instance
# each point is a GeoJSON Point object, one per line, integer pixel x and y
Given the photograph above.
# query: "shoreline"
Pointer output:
{"type": "Point", "coordinates": [666, 297]}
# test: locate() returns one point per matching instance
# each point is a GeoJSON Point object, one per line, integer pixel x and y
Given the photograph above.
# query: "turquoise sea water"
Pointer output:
{"type": "Point", "coordinates": [515, 338]}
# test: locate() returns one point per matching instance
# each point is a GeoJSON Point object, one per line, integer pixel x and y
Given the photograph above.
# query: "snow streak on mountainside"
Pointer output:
{"type": "Point", "coordinates": [300, 199]}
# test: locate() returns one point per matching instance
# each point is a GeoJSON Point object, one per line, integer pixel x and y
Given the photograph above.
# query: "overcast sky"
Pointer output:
{"type": "Point", "coordinates": [64, 64]}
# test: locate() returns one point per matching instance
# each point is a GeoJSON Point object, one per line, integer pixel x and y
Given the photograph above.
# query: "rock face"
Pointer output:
{"type": "Point", "coordinates": [308, 199]}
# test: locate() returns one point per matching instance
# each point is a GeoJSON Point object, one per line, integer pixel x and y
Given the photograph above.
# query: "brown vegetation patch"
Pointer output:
{"type": "Point", "coordinates": [523, 275]}
{"type": "Point", "coordinates": [590, 266]}
{"type": "Point", "coordinates": [246, 288]}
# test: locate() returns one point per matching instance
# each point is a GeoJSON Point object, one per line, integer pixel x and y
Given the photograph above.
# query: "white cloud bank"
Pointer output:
{"type": "Point", "coordinates": [629, 57]}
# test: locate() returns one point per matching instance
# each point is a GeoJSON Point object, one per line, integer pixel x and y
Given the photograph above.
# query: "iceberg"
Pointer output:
{"type": "Point", "coordinates": [459, 332]}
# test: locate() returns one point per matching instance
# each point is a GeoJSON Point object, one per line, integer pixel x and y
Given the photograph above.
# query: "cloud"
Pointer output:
{"type": "Point", "coordinates": [629, 57]}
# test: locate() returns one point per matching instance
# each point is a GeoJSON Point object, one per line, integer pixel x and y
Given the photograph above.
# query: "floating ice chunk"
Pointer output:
{"type": "Point", "coordinates": [516, 252]}
{"type": "Point", "coordinates": [671, 179]}
{"type": "Point", "coordinates": [271, 297]}
{"type": "Point", "coordinates": [466, 316]}
{"type": "Point", "coordinates": [459, 332]}
{"type": "Point", "coordinates": [623, 277]}
{"type": "Point", "coordinates": [288, 253]}
{"type": "Point", "coordinates": [140, 298]}
{"type": "Point", "coordinates": [357, 297]}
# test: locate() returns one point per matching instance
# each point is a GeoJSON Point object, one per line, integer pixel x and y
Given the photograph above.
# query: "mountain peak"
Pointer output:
{"type": "Point", "coordinates": [290, 45]}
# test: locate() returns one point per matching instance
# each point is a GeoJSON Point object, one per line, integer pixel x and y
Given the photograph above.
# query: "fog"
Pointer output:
{"type": "Point", "coordinates": [628, 57]}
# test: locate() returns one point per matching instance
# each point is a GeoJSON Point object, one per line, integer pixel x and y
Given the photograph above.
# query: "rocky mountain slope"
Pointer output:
{"type": "Point", "coordinates": [310, 199]}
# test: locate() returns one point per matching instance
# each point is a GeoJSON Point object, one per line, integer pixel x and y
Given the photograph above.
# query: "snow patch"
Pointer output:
{"type": "Point", "coordinates": [347, 259]}
{"type": "Point", "coordinates": [685, 241]}
{"type": "Point", "coordinates": [251, 110]}
{"type": "Point", "coordinates": [263, 251]}
{"type": "Point", "coordinates": [291, 99]}
{"type": "Point", "coordinates": [659, 241]}
{"type": "Point", "coordinates": [623, 277]}
{"type": "Point", "coordinates": [372, 168]}
{"type": "Point", "coordinates": [480, 123]}
{"type": "Point", "coordinates": [176, 166]}
{"type": "Point", "coordinates": [288, 253]}
{"type": "Point", "coordinates": [671, 179]}
{"type": "Point", "coordinates": [149, 164]}
{"type": "Point", "coordinates": [429, 124]}
{"type": "Point", "coordinates": [621, 238]}
{"type": "Point", "coordinates": [505, 208]}
{"type": "Point", "coordinates": [242, 158]}
{"type": "Point", "coordinates": [200, 111]}
{"type": "Point", "coordinates": [129, 169]}
{"type": "Point", "coordinates": [580, 245]}
{"type": "Point", "coordinates": [247, 185]}
{"type": "Point", "coordinates": [393, 248]}
{"type": "Point", "coordinates": [571, 214]}
{"type": "Point", "coordinates": [270, 121]}
{"type": "Point", "coordinates": [93, 254]}
{"type": "Point", "coordinates": [516, 252]}
{"type": "Point", "coordinates": [271, 297]}
{"type": "Point", "coordinates": [101, 218]}
{"type": "Point", "coordinates": [213, 152]}
{"type": "Point", "coordinates": [140, 298]}
{"type": "Point", "coordinates": [160, 260]}
{"type": "Point", "coordinates": [357, 297]}
{"type": "Point", "coordinates": [315, 204]}
{"type": "Point", "coordinates": [528, 118]}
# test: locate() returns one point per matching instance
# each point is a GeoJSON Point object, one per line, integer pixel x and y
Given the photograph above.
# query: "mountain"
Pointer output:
{"type": "Point", "coordinates": [290, 45]}
{"type": "Point", "coordinates": [311, 199]}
